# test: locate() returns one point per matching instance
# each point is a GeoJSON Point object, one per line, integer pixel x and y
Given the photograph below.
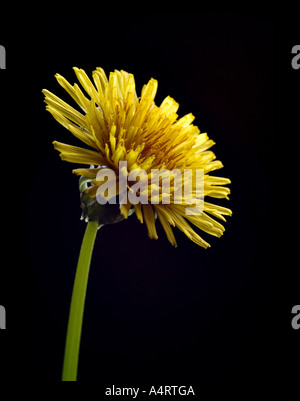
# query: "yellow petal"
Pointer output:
{"type": "Point", "coordinates": [75, 154]}
{"type": "Point", "coordinates": [150, 221]}
{"type": "Point", "coordinates": [166, 226]}
{"type": "Point", "coordinates": [138, 212]}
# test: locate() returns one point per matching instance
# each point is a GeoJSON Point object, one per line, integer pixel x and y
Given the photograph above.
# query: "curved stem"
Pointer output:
{"type": "Point", "coordinates": [77, 304]}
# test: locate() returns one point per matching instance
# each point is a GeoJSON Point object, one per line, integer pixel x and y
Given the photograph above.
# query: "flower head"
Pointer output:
{"type": "Point", "coordinates": [118, 126]}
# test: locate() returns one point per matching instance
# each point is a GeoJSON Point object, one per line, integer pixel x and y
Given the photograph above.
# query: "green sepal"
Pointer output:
{"type": "Point", "coordinates": [93, 211]}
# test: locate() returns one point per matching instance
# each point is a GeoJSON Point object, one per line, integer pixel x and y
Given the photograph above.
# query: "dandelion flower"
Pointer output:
{"type": "Point", "coordinates": [118, 126]}
{"type": "Point", "coordinates": [146, 146]}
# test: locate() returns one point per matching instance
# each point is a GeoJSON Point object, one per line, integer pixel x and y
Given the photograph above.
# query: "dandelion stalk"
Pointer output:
{"type": "Point", "coordinates": [77, 304]}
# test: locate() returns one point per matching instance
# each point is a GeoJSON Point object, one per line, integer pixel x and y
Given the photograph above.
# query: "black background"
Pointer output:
{"type": "Point", "coordinates": [155, 314]}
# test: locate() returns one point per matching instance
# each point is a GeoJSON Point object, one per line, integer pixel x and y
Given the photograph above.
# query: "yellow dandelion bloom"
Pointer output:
{"type": "Point", "coordinates": [118, 126]}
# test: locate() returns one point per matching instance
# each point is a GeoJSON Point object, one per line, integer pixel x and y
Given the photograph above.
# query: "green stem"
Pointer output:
{"type": "Point", "coordinates": [77, 304]}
